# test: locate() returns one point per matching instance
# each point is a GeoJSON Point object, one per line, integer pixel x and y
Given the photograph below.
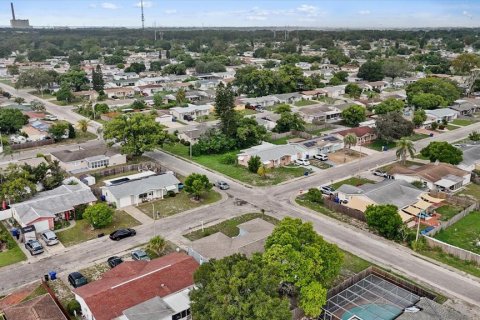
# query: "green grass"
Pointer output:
{"type": "Point", "coordinates": [448, 259]}
{"type": "Point", "coordinates": [378, 144]}
{"type": "Point", "coordinates": [450, 127]}
{"type": "Point", "coordinates": [318, 207]}
{"type": "Point", "coordinates": [471, 190]}
{"type": "Point", "coordinates": [228, 227]}
{"type": "Point", "coordinates": [45, 96]}
{"type": "Point", "coordinates": [82, 230]}
{"type": "Point", "coordinates": [462, 122]}
{"type": "Point", "coordinates": [353, 181]}
{"type": "Point", "coordinates": [313, 129]}
{"type": "Point", "coordinates": [303, 103]}
{"type": "Point", "coordinates": [39, 291]}
{"type": "Point", "coordinates": [7, 82]}
{"type": "Point", "coordinates": [418, 136]}
{"type": "Point", "coordinates": [181, 202]}
{"type": "Point", "coordinates": [83, 137]}
{"type": "Point", "coordinates": [13, 255]}
{"type": "Point", "coordinates": [214, 162]}
{"type": "Point", "coordinates": [464, 233]}
{"type": "Point", "coordinates": [419, 156]}
{"type": "Point", "coordinates": [281, 140]}
{"type": "Point", "coordinates": [448, 211]}
{"type": "Point", "coordinates": [210, 117]}
{"type": "Point", "coordinates": [247, 112]}
{"type": "Point", "coordinates": [351, 266]}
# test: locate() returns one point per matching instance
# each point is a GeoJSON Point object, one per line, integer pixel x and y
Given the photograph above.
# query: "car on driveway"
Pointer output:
{"type": "Point", "coordinates": [328, 190]}
{"type": "Point", "coordinates": [222, 185]}
{"type": "Point", "coordinates": [76, 279]}
{"type": "Point", "coordinates": [49, 237]}
{"type": "Point", "coordinates": [302, 162]}
{"type": "Point", "coordinates": [321, 157]}
{"type": "Point", "coordinates": [139, 255]}
{"type": "Point", "coordinates": [114, 261]}
{"type": "Point", "coordinates": [122, 233]}
{"type": "Point", "coordinates": [380, 173]}
{"type": "Point", "coordinates": [34, 247]}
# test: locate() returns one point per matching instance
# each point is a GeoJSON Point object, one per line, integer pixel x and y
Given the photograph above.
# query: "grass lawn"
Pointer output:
{"type": "Point", "coordinates": [315, 130]}
{"type": "Point", "coordinates": [318, 208]}
{"type": "Point", "coordinates": [238, 172]}
{"type": "Point", "coordinates": [210, 117]}
{"type": "Point", "coordinates": [181, 202]}
{"type": "Point", "coordinates": [247, 112]}
{"type": "Point", "coordinates": [13, 255]}
{"type": "Point", "coordinates": [82, 137]}
{"type": "Point", "coordinates": [7, 82]}
{"type": "Point", "coordinates": [448, 211]}
{"type": "Point", "coordinates": [281, 140]}
{"type": "Point", "coordinates": [82, 230]}
{"type": "Point", "coordinates": [378, 144]}
{"type": "Point", "coordinates": [418, 136]}
{"type": "Point", "coordinates": [439, 255]}
{"type": "Point", "coordinates": [351, 266]}
{"type": "Point", "coordinates": [464, 233]}
{"type": "Point", "coordinates": [353, 181]}
{"type": "Point", "coordinates": [462, 122]}
{"type": "Point", "coordinates": [303, 103]}
{"type": "Point", "coordinates": [229, 227]}
{"type": "Point", "coordinates": [39, 291]}
{"type": "Point", "coordinates": [45, 96]}
{"type": "Point", "coordinates": [451, 127]}
{"type": "Point", "coordinates": [471, 190]}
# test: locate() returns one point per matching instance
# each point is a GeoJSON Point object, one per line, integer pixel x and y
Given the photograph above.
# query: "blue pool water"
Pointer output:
{"type": "Point", "coordinates": [373, 312]}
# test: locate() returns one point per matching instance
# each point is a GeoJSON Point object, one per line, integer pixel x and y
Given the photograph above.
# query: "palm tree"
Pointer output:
{"type": "Point", "coordinates": [157, 244]}
{"type": "Point", "coordinates": [350, 140]}
{"type": "Point", "coordinates": [404, 148]}
{"type": "Point", "coordinates": [83, 125]}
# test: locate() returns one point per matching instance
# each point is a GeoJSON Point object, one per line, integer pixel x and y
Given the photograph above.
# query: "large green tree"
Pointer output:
{"type": "Point", "coordinates": [385, 219]}
{"type": "Point", "coordinates": [11, 120]}
{"type": "Point", "coordinates": [395, 67]}
{"type": "Point", "coordinates": [443, 152]}
{"type": "Point", "coordinates": [389, 105]}
{"type": "Point", "coordinates": [36, 78]}
{"type": "Point", "coordinates": [196, 184]}
{"type": "Point", "coordinates": [75, 79]}
{"type": "Point", "coordinates": [393, 126]}
{"type": "Point", "coordinates": [224, 109]}
{"type": "Point", "coordinates": [136, 133]}
{"type": "Point", "coordinates": [353, 115]}
{"type": "Point", "coordinates": [447, 89]}
{"type": "Point", "coordinates": [289, 121]}
{"type": "Point", "coordinates": [371, 71]}
{"type": "Point", "coordinates": [238, 288]}
{"type": "Point", "coordinates": [97, 79]}
{"type": "Point", "coordinates": [353, 90]}
{"type": "Point", "coordinates": [59, 130]}
{"type": "Point", "coordinates": [419, 117]}
{"type": "Point", "coordinates": [303, 259]}
{"type": "Point", "coordinates": [99, 215]}
{"type": "Point", "coordinates": [465, 62]}
{"type": "Point", "coordinates": [427, 101]}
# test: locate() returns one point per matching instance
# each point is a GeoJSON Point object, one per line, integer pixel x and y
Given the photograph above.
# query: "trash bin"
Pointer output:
{"type": "Point", "coordinates": [46, 277]}
{"type": "Point", "coordinates": [53, 275]}
{"type": "Point", "coordinates": [305, 173]}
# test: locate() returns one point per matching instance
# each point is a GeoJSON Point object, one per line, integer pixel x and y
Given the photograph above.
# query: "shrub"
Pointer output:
{"type": "Point", "coordinates": [434, 126]}
{"type": "Point", "coordinates": [314, 195]}
{"type": "Point", "coordinates": [99, 215]}
{"type": "Point", "coordinates": [254, 164]}
{"type": "Point", "coordinates": [171, 194]}
{"type": "Point", "coordinates": [418, 184]}
{"type": "Point", "coordinates": [73, 306]}
{"type": "Point", "coordinates": [441, 127]}
{"type": "Point", "coordinates": [229, 158]}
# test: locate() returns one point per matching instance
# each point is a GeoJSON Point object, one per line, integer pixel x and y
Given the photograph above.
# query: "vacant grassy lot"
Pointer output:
{"type": "Point", "coordinates": [281, 140]}
{"type": "Point", "coordinates": [379, 144]}
{"type": "Point", "coordinates": [351, 266]}
{"type": "Point", "coordinates": [214, 162]}
{"type": "Point", "coordinates": [181, 202]}
{"type": "Point", "coordinates": [448, 259]}
{"type": "Point", "coordinates": [303, 103]}
{"type": "Point", "coordinates": [229, 227]}
{"type": "Point", "coordinates": [353, 181]}
{"type": "Point", "coordinates": [448, 211]}
{"type": "Point", "coordinates": [463, 234]}
{"type": "Point", "coordinates": [462, 122]}
{"type": "Point", "coordinates": [12, 255]}
{"type": "Point", "coordinates": [472, 190]}
{"type": "Point", "coordinates": [82, 231]}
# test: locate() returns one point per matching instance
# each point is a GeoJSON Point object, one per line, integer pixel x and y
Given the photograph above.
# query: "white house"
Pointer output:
{"type": "Point", "coordinates": [192, 110]}
{"type": "Point", "coordinates": [442, 113]}
{"type": "Point", "coordinates": [135, 189]}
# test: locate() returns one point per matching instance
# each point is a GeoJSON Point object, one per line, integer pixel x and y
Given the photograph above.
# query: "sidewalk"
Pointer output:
{"type": "Point", "coordinates": [137, 214]}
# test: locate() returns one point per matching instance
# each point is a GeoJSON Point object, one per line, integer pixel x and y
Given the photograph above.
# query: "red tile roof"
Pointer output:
{"type": "Point", "coordinates": [359, 131]}
{"type": "Point", "coordinates": [134, 282]}
{"type": "Point", "coordinates": [39, 308]}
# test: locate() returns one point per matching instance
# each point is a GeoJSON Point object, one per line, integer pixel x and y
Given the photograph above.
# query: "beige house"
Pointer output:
{"type": "Point", "coordinates": [272, 155]}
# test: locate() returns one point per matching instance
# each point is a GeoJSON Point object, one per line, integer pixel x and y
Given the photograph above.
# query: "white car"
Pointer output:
{"type": "Point", "coordinates": [49, 237]}
{"type": "Point", "coordinates": [321, 157]}
{"type": "Point", "coordinates": [327, 190]}
{"type": "Point", "coordinates": [302, 162]}
{"type": "Point", "coordinates": [51, 117]}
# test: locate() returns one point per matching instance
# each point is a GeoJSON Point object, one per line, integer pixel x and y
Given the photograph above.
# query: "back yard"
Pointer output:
{"type": "Point", "coordinates": [464, 234]}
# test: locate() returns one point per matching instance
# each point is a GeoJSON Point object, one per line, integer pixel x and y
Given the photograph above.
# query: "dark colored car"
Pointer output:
{"type": "Point", "coordinates": [76, 279]}
{"type": "Point", "coordinates": [122, 233]}
{"type": "Point", "coordinates": [114, 261]}
{"type": "Point", "coordinates": [188, 117]}
{"type": "Point", "coordinates": [34, 247]}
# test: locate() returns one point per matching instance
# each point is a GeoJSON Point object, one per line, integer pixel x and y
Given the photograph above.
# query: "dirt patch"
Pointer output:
{"type": "Point", "coordinates": [62, 291]}
{"type": "Point", "coordinates": [95, 272]}
{"type": "Point", "coordinates": [341, 156]}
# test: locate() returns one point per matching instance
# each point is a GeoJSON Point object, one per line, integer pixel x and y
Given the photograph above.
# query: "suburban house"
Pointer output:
{"type": "Point", "coordinates": [90, 95]}
{"type": "Point", "coordinates": [134, 290]}
{"type": "Point", "coordinates": [289, 98]}
{"type": "Point", "coordinates": [272, 155]}
{"type": "Point", "coordinates": [192, 110]}
{"type": "Point", "coordinates": [193, 135]}
{"type": "Point", "coordinates": [320, 113]}
{"type": "Point", "coordinates": [137, 188]}
{"type": "Point", "coordinates": [266, 101]}
{"type": "Point", "coordinates": [397, 192]}
{"type": "Point", "coordinates": [269, 121]}
{"type": "Point", "coordinates": [59, 203]}
{"type": "Point", "coordinates": [117, 93]}
{"type": "Point", "coordinates": [33, 133]}
{"type": "Point", "coordinates": [251, 239]}
{"type": "Point", "coordinates": [314, 94]}
{"type": "Point", "coordinates": [319, 145]}
{"type": "Point", "coordinates": [364, 134]}
{"type": "Point", "coordinates": [42, 307]}
{"type": "Point", "coordinates": [163, 117]}
{"type": "Point", "coordinates": [436, 176]}
{"type": "Point", "coordinates": [465, 108]}
{"type": "Point", "coordinates": [471, 157]}
{"type": "Point", "coordinates": [335, 91]}
{"type": "Point", "coordinates": [80, 159]}
{"type": "Point", "coordinates": [442, 113]}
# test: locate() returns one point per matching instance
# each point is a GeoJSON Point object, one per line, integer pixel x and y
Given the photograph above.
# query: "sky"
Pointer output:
{"type": "Point", "coordinates": [245, 13]}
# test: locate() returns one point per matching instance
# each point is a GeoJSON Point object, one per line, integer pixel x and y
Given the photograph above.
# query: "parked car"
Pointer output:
{"type": "Point", "coordinates": [114, 261]}
{"type": "Point", "coordinates": [321, 157]}
{"type": "Point", "coordinates": [49, 237]}
{"type": "Point", "coordinates": [249, 106]}
{"type": "Point", "coordinates": [328, 190]}
{"type": "Point", "coordinates": [188, 117]}
{"type": "Point", "coordinates": [122, 233]}
{"type": "Point", "coordinates": [139, 255]}
{"type": "Point", "coordinates": [76, 279]}
{"type": "Point", "coordinates": [302, 162]}
{"type": "Point", "coordinates": [222, 185]}
{"type": "Point", "coordinates": [51, 117]}
{"type": "Point", "coordinates": [34, 247]}
{"type": "Point", "coordinates": [380, 173]}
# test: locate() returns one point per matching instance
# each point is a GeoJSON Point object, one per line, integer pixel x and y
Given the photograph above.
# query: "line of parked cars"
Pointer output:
{"type": "Point", "coordinates": [35, 247]}
{"type": "Point", "coordinates": [306, 162]}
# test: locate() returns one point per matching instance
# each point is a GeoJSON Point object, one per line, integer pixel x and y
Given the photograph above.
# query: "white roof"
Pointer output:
{"type": "Point", "coordinates": [191, 108]}
{"type": "Point", "coordinates": [136, 187]}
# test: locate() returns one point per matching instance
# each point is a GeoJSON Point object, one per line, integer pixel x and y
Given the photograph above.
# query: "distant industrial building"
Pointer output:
{"type": "Point", "coordinates": [18, 23]}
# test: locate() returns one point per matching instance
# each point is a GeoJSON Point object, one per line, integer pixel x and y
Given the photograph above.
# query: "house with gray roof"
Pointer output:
{"type": "Point", "coordinates": [46, 206]}
{"type": "Point", "coordinates": [442, 113]}
{"type": "Point", "coordinates": [81, 160]}
{"type": "Point", "coordinates": [464, 107]}
{"type": "Point", "coordinates": [471, 157]}
{"type": "Point", "coordinates": [192, 110]}
{"type": "Point", "coordinates": [124, 192]}
{"type": "Point", "coordinates": [272, 155]}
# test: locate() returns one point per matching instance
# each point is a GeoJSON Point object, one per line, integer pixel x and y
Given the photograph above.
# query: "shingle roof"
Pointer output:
{"type": "Point", "coordinates": [430, 310]}
{"type": "Point", "coordinates": [140, 186]}
{"type": "Point", "coordinates": [431, 172]}
{"type": "Point", "coordinates": [396, 192]}
{"type": "Point", "coordinates": [268, 152]}
{"type": "Point", "coordinates": [39, 308]}
{"type": "Point", "coordinates": [443, 112]}
{"type": "Point", "coordinates": [134, 282]}
{"type": "Point", "coordinates": [75, 155]}
{"type": "Point", "coordinates": [359, 131]}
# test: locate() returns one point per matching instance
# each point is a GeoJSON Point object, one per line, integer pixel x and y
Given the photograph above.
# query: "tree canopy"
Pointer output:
{"type": "Point", "coordinates": [385, 219]}
{"type": "Point", "coordinates": [11, 120]}
{"type": "Point", "coordinates": [196, 184]}
{"type": "Point", "coordinates": [393, 126]}
{"type": "Point", "coordinates": [371, 71]}
{"type": "Point", "coordinates": [353, 115]}
{"type": "Point", "coordinates": [99, 215]}
{"type": "Point", "coordinates": [443, 152]}
{"type": "Point", "coordinates": [436, 86]}
{"type": "Point", "coordinates": [390, 105]}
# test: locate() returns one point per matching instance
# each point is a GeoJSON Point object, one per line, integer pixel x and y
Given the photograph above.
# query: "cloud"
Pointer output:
{"type": "Point", "coordinates": [309, 10]}
{"type": "Point", "coordinates": [109, 5]}
{"type": "Point", "coordinates": [256, 18]}
{"type": "Point", "coordinates": [146, 4]}
{"type": "Point", "coordinates": [171, 11]}
{"type": "Point", "coordinates": [364, 12]}
{"type": "Point", "coordinates": [467, 14]}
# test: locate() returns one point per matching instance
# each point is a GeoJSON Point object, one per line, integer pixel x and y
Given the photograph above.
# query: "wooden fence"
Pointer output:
{"type": "Point", "coordinates": [144, 166]}
{"type": "Point", "coordinates": [32, 144]}
{"type": "Point", "coordinates": [454, 251]}
{"type": "Point", "coordinates": [353, 213]}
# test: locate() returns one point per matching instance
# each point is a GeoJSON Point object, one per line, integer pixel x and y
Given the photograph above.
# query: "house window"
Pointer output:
{"type": "Point", "coordinates": [98, 164]}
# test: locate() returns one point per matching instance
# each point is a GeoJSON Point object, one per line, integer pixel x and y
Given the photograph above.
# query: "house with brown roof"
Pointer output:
{"type": "Point", "coordinates": [436, 176]}
{"type": "Point", "coordinates": [133, 288]}
{"type": "Point", "coordinates": [364, 134]}
{"type": "Point", "coordinates": [39, 308]}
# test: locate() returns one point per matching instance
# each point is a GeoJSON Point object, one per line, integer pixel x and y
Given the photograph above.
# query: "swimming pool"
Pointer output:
{"type": "Point", "coordinates": [373, 312]}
